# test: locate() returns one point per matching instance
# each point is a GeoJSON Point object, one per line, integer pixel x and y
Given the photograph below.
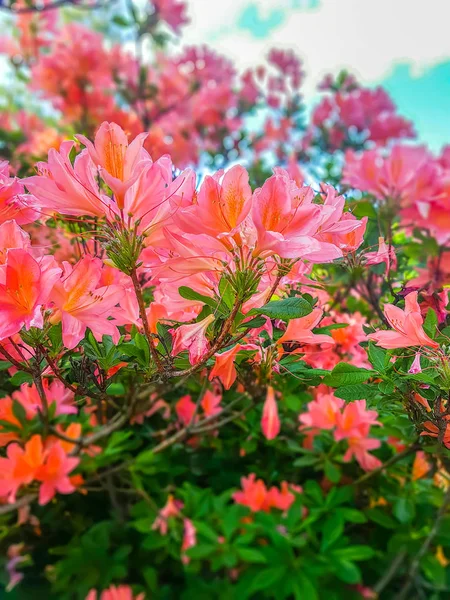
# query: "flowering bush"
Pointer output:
{"type": "Point", "coordinates": [223, 383]}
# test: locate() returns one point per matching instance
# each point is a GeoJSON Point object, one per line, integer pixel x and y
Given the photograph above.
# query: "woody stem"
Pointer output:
{"type": "Point", "coordinates": [143, 315]}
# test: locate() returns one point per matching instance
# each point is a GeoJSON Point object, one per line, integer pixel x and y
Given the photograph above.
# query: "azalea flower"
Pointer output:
{"type": "Point", "coordinates": [270, 421]}
{"type": "Point", "coordinates": [25, 286]}
{"type": "Point", "coordinates": [192, 338]}
{"type": "Point", "coordinates": [299, 330]}
{"type": "Point", "coordinates": [407, 327]}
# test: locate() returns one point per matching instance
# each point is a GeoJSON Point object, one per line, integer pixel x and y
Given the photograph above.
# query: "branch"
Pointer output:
{"type": "Point", "coordinates": [143, 315]}
{"type": "Point", "coordinates": [394, 459]}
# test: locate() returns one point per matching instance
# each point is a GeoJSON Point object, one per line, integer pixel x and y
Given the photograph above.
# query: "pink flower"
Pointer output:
{"type": "Point", "coordinates": [66, 189]}
{"type": "Point", "coordinates": [407, 327]}
{"type": "Point", "coordinates": [358, 447]}
{"type": "Point", "coordinates": [355, 421]}
{"type": "Point", "coordinates": [415, 367]}
{"type": "Point", "coordinates": [284, 217]}
{"type": "Point", "coordinates": [189, 539]}
{"type": "Point", "coordinates": [120, 164]}
{"type": "Point", "coordinates": [270, 422]}
{"type": "Point", "coordinates": [192, 338]}
{"type": "Point", "coordinates": [322, 412]}
{"type": "Point", "coordinates": [185, 410]}
{"type": "Point", "coordinates": [25, 286]}
{"type": "Point", "coordinates": [220, 207]}
{"type": "Point", "coordinates": [172, 12]}
{"type": "Point", "coordinates": [384, 254]}
{"type": "Point", "coordinates": [54, 473]}
{"type": "Point", "coordinates": [170, 510]}
{"type": "Point", "coordinates": [121, 592]}
{"type": "Point", "coordinates": [211, 403]}
{"type": "Point", "coordinates": [81, 304]}
{"type": "Point", "coordinates": [224, 367]}
{"type": "Point", "coordinates": [14, 203]}
{"type": "Point", "coordinates": [299, 330]}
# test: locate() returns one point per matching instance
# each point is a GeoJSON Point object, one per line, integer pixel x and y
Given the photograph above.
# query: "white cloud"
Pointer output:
{"type": "Point", "coordinates": [366, 36]}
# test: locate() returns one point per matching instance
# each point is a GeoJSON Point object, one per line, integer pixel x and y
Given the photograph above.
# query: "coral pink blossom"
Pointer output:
{"type": "Point", "coordinates": [322, 412]}
{"type": "Point", "coordinates": [385, 254]}
{"type": "Point", "coordinates": [25, 286]}
{"type": "Point", "coordinates": [54, 473]}
{"type": "Point", "coordinates": [170, 510]}
{"type": "Point", "coordinates": [185, 410]}
{"type": "Point", "coordinates": [66, 189]}
{"type": "Point", "coordinates": [270, 421]}
{"type": "Point", "coordinates": [407, 326]}
{"type": "Point", "coordinates": [358, 447]}
{"type": "Point", "coordinates": [220, 206]}
{"type": "Point", "coordinates": [284, 217]}
{"type": "Point", "coordinates": [189, 538]}
{"type": "Point", "coordinates": [14, 203]}
{"type": "Point", "coordinates": [355, 420]}
{"type": "Point", "coordinates": [20, 466]}
{"type": "Point", "coordinates": [120, 163]}
{"type": "Point", "coordinates": [299, 330]}
{"type": "Point", "coordinates": [257, 497]}
{"type": "Point", "coordinates": [211, 403]}
{"type": "Point", "coordinates": [120, 592]}
{"type": "Point", "coordinates": [192, 338]}
{"type": "Point", "coordinates": [81, 304]}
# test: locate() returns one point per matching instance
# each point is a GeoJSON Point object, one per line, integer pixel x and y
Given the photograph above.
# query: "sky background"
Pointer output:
{"type": "Point", "coordinates": [402, 44]}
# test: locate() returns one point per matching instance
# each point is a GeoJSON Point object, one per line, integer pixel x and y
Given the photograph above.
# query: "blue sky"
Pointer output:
{"type": "Point", "coordinates": [401, 44]}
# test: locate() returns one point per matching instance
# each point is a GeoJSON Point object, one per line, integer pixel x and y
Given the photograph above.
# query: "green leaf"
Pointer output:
{"type": "Point", "coordinates": [380, 517]}
{"type": "Point", "coordinates": [20, 377]}
{"type": "Point", "coordinates": [358, 391]}
{"type": "Point", "coordinates": [332, 530]}
{"type": "Point", "coordinates": [189, 294]}
{"type": "Point", "coordinates": [19, 412]}
{"type": "Point", "coordinates": [404, 510]}
{"type": "Point", "coordinates": [378, 357]}
{"type": "Point", "coordinates": [354, 553]}
{"type": "Point", "coordinates": [348, 572]}
{"type": "Point", "coordinates": [251, 556]}
{"type": "Point", "coordinates": [332, 471]}
{"type": "Point", "coordinates": [347, 374]}
{"type": "Point", "coordinates": [431, 323]}
{"type": "Point", "coordinates": [289, 308]}
{"type": "Point", "coordinates": [303, 588]}
{"type": "Point", "coordinates": [265, 579]}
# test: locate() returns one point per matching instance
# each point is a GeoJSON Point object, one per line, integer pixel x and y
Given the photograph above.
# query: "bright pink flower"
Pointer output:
{"type": "Point", "coordinates": [192, 338]}
{"type": "Point", "coordinates": [415, 367]}
{"type": "Point", "coordinates": [185, 409]}
{"type": "Point", "coordinates": [253, 494]}
{"type": "Point", "coordinates": [121, 592]}
{"type": "Point", "coordinates": [355, 420]}
{"type": "Point", "coordinates": [120, 164]}
{"type": "Point", "coordinates": [25, 286]}
{"type": "Point", "coordinates": [323, 412]}
{"type": "Point", "coordinates": [220, 206]}
{"type": "Point", "coordinates": [270, 422]}
{"type": "Point", "coordinates": [66, 189]}
{"type": "Point", "coordinates": [384, 254]}
{"type": "Point", "coordinates": [20, 466]}
{"type": "Point", "coordinates": [14, 203]}
{"type": "Point", "coordinates": [284, 217]}
{"type": "Point", "coordinates": [407, 327]}
{"type": "Point", "coordinates": [172, 12]}
{"type": "Point", "coordinates": [358, 447]}
{"type": "Point", "coordinates": [211, 403]}
{"type": "Point", "coordinates": [81, 304]}
{"type": "Point", "coordinates": [189, 538]}
{"type": "Point", "coordinates": [299, 330]}
{"type": "Point", "coordinates": [170, 510]}
{"type": "Point", "coordinates": [224, 367]}
{"type": "Point", "coordinates": [54, 473]}
{"type": "Point", "coordinates": [257, 497]}
{"type": "Point", "coordinates": [12, 236]}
